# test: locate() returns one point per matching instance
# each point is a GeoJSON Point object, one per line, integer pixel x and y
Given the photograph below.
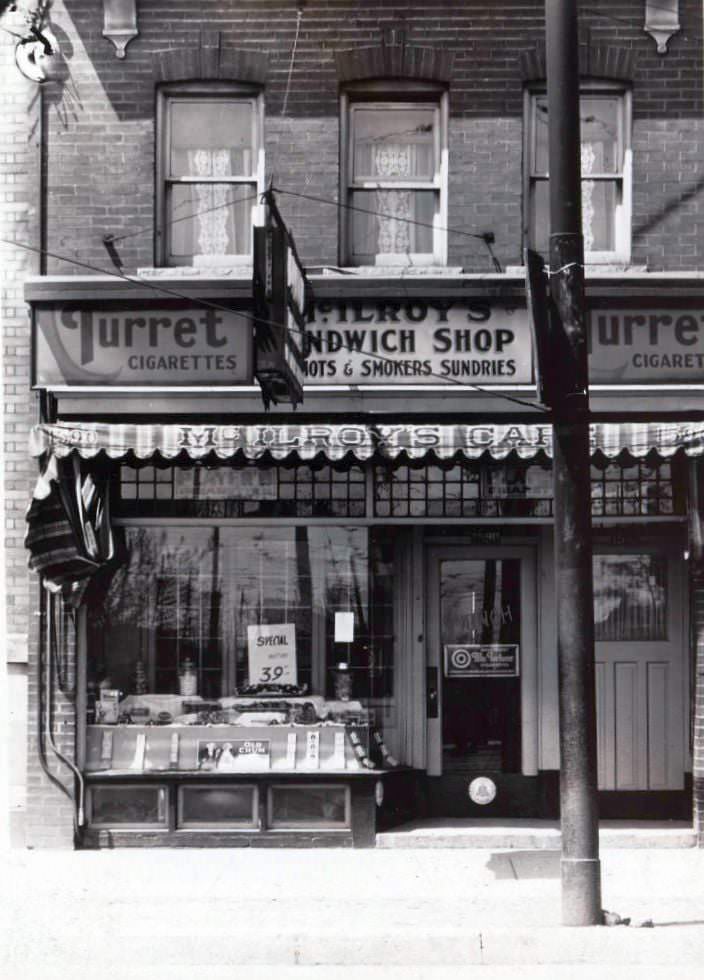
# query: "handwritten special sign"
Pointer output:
{"type": "Point", "coordinates": [417, 342]}
{"type": "Point", "coordinates": [271, 653]}
{"type": "Point", "coordinates": [118, 347]}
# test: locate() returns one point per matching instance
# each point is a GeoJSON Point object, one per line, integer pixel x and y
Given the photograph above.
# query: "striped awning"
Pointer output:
{"type": "Point", "coordinates": [361, 442]}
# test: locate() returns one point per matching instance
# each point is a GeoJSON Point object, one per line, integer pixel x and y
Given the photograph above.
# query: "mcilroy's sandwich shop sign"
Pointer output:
{"type": "Point", "coordinates": [351, 343]}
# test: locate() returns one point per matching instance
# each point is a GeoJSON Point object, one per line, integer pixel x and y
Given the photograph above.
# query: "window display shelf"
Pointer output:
{"type": "Point", "coordinates": [226, 750]}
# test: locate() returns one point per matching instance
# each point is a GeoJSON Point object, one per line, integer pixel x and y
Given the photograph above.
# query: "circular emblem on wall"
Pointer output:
{"type": "Point", "coordinates": [482, 790]}
{"type": "Point", "coordinates": [379, 792]}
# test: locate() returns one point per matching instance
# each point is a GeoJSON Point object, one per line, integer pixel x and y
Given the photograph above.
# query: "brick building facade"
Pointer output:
{"type": "Point", "coordinates": [81, 161]}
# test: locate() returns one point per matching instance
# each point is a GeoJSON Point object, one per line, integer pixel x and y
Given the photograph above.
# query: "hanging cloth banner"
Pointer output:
{"type": "Point", "coordinates": [68, 536]}
{"type": "Point", "coordinates": [335, 442]}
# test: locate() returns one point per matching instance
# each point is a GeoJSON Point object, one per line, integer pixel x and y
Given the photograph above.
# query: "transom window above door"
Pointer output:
{"type": "Point", "coordinates": [209, 173]}
{"type": "Point", "coordinates": [394, 173]}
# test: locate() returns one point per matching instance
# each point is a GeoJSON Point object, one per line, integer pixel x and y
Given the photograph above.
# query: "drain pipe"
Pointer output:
{"type": "Point", "coordinates": [79, 803]}
{"type": "Point", "coordinates": [41, 748]}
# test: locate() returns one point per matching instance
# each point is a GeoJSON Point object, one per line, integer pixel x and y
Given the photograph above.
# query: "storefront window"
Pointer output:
{"type": "Point", "coordinates": [630, 597]}
{"type": "Point", "coordinates": [252, 490]}
{"type": "Point", "coordinates": [517, 488]}
{"type": "Point", "coordinates": [186, 598]}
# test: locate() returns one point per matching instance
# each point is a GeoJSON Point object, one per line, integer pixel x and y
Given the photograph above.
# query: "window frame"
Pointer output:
{"type": "Point", "coordinates": [623, 179]}
{"type": "Point", "coordinates": [167, 95]}
{"type": "Point", "coordinates": [385, 95]}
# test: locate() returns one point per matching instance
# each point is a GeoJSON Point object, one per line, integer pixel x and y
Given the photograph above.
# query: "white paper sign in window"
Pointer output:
{"type": "Point", "coordinates": [272, 654]}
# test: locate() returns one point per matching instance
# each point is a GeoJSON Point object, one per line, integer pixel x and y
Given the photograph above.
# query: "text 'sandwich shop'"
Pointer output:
{"type": "Point", "coordinates": [306, 628]}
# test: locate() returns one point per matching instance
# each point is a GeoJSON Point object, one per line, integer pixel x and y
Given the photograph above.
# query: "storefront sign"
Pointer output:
{"type": "Point", "coordinates": [272, 654]}
{"type": "Point", "coordinates": [481, 660]}
{"type": "Point", "coordinates": [165, 348]}
{"type": "Point", "coordinates": [645, 345]}
{"type": "Point", "coordinates": [234, 755]}
{"type": "Point", "coordinates": [417, 343]}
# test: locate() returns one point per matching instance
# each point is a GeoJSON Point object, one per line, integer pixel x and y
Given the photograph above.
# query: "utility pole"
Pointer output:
{"type": "Point", "coordinates": [580, 868]}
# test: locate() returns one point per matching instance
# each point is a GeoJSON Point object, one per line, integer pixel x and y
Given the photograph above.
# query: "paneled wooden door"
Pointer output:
{"type": "Point", "coordinates": [639, 616]}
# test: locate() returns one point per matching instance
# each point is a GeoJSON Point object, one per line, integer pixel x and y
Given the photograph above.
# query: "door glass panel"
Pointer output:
{"type": "Point", "coordinates": [480, 634]}
{"type": "Point", "coordinates": [630, 597]}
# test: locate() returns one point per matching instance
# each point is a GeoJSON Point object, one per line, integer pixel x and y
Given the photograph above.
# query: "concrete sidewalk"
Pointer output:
{"type": "Point", "coordinates": [152, 913]}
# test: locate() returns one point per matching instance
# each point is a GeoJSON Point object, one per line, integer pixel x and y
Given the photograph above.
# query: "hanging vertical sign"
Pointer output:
{"type": "Point", "coordinates": [280, 290]}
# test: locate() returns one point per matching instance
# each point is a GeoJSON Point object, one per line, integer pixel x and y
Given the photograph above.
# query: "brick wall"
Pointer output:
{"type": "Point", "coordinates": [101, 132]}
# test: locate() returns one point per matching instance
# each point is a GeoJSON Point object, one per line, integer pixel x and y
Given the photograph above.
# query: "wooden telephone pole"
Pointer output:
{"type": "Point", "coordinates": [580, 867]}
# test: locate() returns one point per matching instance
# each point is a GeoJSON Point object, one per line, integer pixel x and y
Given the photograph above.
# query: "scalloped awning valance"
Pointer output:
{"type": "Point", "coordinates": [360, 442]}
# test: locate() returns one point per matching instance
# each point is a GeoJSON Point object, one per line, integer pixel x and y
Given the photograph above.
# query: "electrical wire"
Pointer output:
{"type": "Point", "coordinates": [382, 214]}
{"type": "Point", "coordinates": [299, 18]}
{"type": "Point", "coordinates": [137, 281]}
{"type": "Point", "coordinates": [486, 237]}
{"type": "Point", "coordinates": [185, 217]}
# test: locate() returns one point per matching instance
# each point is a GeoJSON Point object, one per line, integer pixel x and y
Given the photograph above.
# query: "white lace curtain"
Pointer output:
{"type": "Point", "coordinates": [391, 230]}
{"type": "Point", "coordinates": [206, 221]}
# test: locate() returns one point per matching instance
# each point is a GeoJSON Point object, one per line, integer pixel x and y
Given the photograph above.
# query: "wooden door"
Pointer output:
{"type": "Point", "coordinates": [639, 612]}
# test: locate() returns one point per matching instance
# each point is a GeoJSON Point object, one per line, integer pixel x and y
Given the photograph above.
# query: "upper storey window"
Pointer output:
{"type": "Point", "coordinates": [210, 173]}
{"type": "Point", "coordinates": [395, 178]}
{"type": "Point", "coordinates": [606, 173]}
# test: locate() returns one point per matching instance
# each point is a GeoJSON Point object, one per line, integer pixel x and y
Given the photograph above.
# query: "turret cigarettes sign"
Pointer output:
{"type": "Point", "coordinates": [166, 347]}
{"type": "Point", "coordinates": [639, 346]}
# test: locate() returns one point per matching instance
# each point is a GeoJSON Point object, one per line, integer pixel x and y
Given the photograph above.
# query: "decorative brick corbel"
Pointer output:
{"type": "Point", "coordinates": [120, 23]}
{"type": "Point", "coordinates": [662, 20]}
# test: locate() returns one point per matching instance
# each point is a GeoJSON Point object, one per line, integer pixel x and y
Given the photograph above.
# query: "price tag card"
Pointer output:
{"type": "Point", "coordinates": [289, 761]}
{"type": "Point", "coordinates": [140, 752]}
{"type": "Point", "coordinates": [271, 653]}
{"type": "Point", "coordinates": [312, 758]}
{"type": "Point", "coordinates": [106, 748]}
{"type": "Point", "coordinates": [337, 759]}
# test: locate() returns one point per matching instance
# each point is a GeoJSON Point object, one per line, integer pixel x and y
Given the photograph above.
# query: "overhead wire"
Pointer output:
{"type": "Point", "coordinates": [138, 281]}
{"type": "Point", "coordinates": [184, 217]}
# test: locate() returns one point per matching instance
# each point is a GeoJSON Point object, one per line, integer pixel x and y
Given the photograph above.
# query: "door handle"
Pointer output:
{"type": "Point", "coordinates": [431, 692]}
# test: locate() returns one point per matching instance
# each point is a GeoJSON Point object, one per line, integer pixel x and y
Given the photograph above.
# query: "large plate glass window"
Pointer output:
{"type": "Point", "coordinates": [209, 174]}
{"type": "Point", "coordinates": [606, 173]}
{"type": "Point", "coordinates": [186, 598]}
{"type": "Point", "coordinates": [395, 176]}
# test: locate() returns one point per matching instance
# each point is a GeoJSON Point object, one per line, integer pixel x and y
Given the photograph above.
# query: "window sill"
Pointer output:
{"type": "Point", "coordinates": [233, 270]}
{"type": "Point", "coordinates": [383, 271]}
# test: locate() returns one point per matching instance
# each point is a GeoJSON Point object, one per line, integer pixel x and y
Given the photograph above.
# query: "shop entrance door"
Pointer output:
{"type": "Point", "coordinates": [481, 677]}
{"type": "Point", "coordinates": [640, 682]}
